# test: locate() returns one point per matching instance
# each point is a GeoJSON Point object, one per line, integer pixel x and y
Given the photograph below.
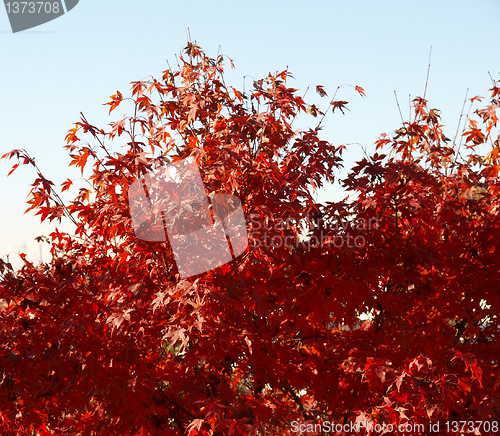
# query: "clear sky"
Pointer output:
{"type": "Point", "coordinates": [74, 63]}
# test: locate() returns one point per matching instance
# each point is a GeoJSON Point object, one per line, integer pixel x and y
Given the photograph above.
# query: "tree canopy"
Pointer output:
{"type": "Point", "coordinates": [381, 309]}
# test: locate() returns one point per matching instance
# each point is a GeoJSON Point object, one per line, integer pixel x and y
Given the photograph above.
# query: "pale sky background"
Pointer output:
{"type": "Point", "coordinates": [74, 63]}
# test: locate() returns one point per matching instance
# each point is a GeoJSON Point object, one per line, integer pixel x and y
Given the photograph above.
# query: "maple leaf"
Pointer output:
{"type": "Point", "coordinates": [321, 91]}
{"type": "Point", "coordinates": [194, 426]}
{"type": "Point", "coordinates": [341, 105]}
{"type": "Point", "coordinates": [66, 185]}
{"type": "Point", "coordinates": [313, 110]}
{"type": "Point", "coordinates": [361, 91]}
{"type": "Point", "coordinates": [116, 99]}
{"type": "Point", "coordinates": [116, 319]}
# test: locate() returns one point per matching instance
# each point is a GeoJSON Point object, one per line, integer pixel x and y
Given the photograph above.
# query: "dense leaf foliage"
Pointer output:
{"type": "Point", "coordinates": [381, 308]}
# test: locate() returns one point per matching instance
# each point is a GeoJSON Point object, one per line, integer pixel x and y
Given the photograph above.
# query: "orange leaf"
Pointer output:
{"type": "Point", "coordinates": [321, 91]}
{"type": "Point", "coordinates": [360, 90]}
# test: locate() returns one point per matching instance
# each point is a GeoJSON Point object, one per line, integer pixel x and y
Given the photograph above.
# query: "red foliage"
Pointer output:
{"type": "Point", "coordinates": [105, 339]}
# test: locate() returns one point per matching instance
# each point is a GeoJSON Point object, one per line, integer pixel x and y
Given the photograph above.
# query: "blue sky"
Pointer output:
{"type": "Point", "coordinates": [74, 63]}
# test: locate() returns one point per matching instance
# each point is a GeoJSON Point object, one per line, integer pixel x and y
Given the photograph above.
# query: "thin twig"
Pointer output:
{"type": "Point", "coordinates": [428, 70]}
{"type": "Point", "coordinates": [458, 127]}
{"type": "Point", "coordinates": [399, 107]}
